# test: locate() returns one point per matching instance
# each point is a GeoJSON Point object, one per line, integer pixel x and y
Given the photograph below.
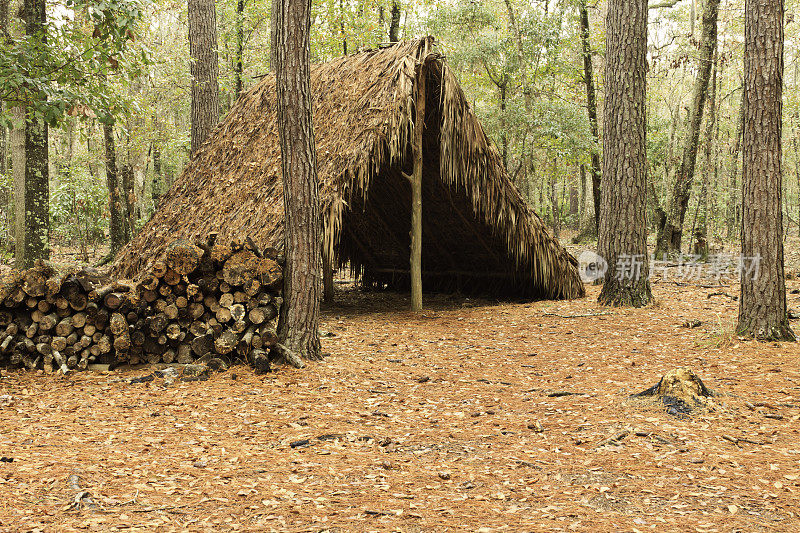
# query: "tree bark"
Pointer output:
{"type": "Point", "coordinates": [670, 235]}
{"type": "Point", "coordinates": [298, 329]}
{"type": "Point", "coordinates": [416, 191]}
{"type": "Point", "coordinates": [591, 108]}
{"type": "Point", "coordinates": [116, 224]}
{"type": "Point", "coordinates": [204, 68]}
{"type": "Point", "coordinates": [733, 179]}
{"type": "Point", "coordinates": [37, 163]}
{"type": "Point", "coordinates": [3, 130]}
{"type": "Point", "coordinates": [128, 198]}
{"type": "Point", "coordinates": [239, 66]}
{"type": "Point", "coordinates": [623, 232]}
{"type": "Point", "coordinates": [797, 166]}
{"type": "Point", "coordinates": [18, 172]}
{"type": "Point", "coordinates": [342, 31]}
{"type": "Point", "coordinates": [503, 130]}
{"type": "Point", "coordinates": [701, 231]}
{"type": "Point", "coordinates": [523, 67]}
{"type": "Point", "coordinates": [394, 23]}
{"type": "Point", "coordinates": [762, 305]}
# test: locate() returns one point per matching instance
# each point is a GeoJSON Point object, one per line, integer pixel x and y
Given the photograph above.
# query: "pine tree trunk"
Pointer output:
{"type": "Point", "coordinates": [733, 178]}
{"type": "Point", "coordinates": [239, 66]}
{"type": "Point", "coordinates": [128, 199]}
{"type": "Point", "coordinates": [623, 232]}
{"type": "Point", "coordinates": [591, 107]}
{"type": "Point", "coordinates": [555, 208]}
{"type": "Point", "coordinates": [701, 231]}
{"type": "Point", "coordinates": [204, 69]}
{"type": "Point", "coordinates": [762, 306]}
{"type": "Point", "coordinates": [18, 173]}
{"type": "Point", "coordinates": [523, 66]}
{"type": "Point", "coordinates": [394, 23]}
{"type": "Point", "coordinates": [582, 201]}
{"type": "Point", "coordinates": [3, 129]}
{"type": "Point", "coordinates": [670, 235]}
{"type": "Point", "coordinates": [299, 319]}
{"type": "Point", "coordinates": [503, 130]}
{"type": "Point", "coordinates": [37, 163]}
{"type": "Point", "coordinates": [116, 224]}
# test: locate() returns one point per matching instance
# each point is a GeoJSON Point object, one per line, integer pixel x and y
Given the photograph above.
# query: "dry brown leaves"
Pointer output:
{"type": "Point", "coordinates": [444, 421]}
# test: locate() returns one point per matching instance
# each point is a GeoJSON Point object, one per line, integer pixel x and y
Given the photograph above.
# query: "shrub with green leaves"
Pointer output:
{"type": "Point", "coordinates": [78, 211]}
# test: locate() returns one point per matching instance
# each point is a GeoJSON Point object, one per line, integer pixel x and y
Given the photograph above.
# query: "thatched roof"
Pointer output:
{"type": "Point", "coordinates": [478, 234]}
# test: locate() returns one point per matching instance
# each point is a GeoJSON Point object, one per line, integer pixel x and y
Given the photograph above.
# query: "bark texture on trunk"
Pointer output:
{"type": "Point", "coordinates": [762, 305]}
{"type": "Point", "coordinates": [670, 235]}
{"type": "Point", "coordinates": [700, 233]}
{"type": "Point", "coordinates": [18, 174]}
{"type": "Point", "coordinates": [623, 233]}
{"type": "Point", "coordinates": [37, 163]}
{"type": "Point", "coordinates": [416, 192]}
{"type": "Point", "coordinates": [128, 198]}
{"type": "Point", "coordinates": [591, 107]}
{"type": "Point", "coordinates": [116, 223]}
{"type": "Point", "coordinates": [204, 68]}
{"type": "Point", "coordinates": [298, 328]}
{"type": "Point", "coordinates": [239, 66]}
{"type": "Point", "coordinates": [3, 129]}
{"type": "Point", "coordinates": [733, 205]}
{"type": "Point", "coordinates": [394, 23]}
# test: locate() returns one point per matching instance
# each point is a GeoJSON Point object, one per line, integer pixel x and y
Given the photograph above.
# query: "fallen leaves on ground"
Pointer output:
{"type": "Point", "coordinates": [466, 417]}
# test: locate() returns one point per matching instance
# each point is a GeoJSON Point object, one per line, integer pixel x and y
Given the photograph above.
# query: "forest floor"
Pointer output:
{"type": "Point", "coordinates": [471, 416]}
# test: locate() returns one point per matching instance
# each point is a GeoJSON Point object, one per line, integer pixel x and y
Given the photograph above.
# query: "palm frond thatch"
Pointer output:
{"type": "Point", "coordinates": [478, 233]}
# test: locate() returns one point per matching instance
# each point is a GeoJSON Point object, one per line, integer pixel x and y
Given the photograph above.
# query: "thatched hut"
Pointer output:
{"type": "Point", "coordinates": [478, 234]}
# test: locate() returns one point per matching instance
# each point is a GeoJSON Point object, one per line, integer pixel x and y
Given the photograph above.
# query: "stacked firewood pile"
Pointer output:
{"type": "Point", "coordinates": [203, 300]}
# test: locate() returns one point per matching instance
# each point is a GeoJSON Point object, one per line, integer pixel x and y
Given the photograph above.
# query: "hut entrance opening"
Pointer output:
{"type": "Point", "coordinates": [459, 252]}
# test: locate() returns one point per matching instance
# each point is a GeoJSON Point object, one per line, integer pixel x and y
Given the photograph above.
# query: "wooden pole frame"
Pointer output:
{"type": "Point", "coordinates": [416, 191]}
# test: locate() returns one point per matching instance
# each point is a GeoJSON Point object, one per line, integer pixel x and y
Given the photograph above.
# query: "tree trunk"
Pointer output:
{"type": "Point", "coordinates": [238, 68]}
{"type": "Point", "coordinates": [503, 130]}
{"type": "Point", "coordinates": [591, 107]}
{"type": "Point", "coordinates": [299, 319]}
{"type": "Point", "coordinates": [5, 193]}
{"type": "Point", "coordinates": [797, 168]}
{"type": "Point", "coordinates": [116, 224]}
{"type": "Point", "coordinates": [523, 66]}
{"type": "Point", "coordinates": [37, 163]}
{"type": "Point", "coordinates": [669, 236]}
{"type": "Point", "coordinates": [204, 69]}
{"type": "Point", "coordinates": [555, 207]}
{"type": "Point", "coordinates": [623, 232]}
{"type": "Point", "coordinates": [701, 231]}
{"type": "Point", "coordinates": [574, 209]}
{"type": "Point", "coordinates": [731, 217]}
{"type": "Point", "coordinates": [3, 129]}
{"type": "Point", "coordinates": [415, 266]}
{"type": "Point", "coordinates": [582, 201]}
{"type": "Point", "coordinates": [128, 199]}
{"type": "Point", "coordinates": [762, 306]}
{"type": "Point", "coordinates": [18, 171]}
{"type": "Point", "coordinates": [394, 23]}
{"type": "Point", "coordinates": [342, 31]}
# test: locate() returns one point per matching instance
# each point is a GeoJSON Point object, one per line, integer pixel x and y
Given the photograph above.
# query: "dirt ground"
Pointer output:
{"type": "Point", "coordinates": [473, 416]}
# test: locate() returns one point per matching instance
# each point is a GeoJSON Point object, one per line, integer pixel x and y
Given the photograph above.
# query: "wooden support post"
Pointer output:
{"type": "Point", "coordinates": [327, 276]}
{"type": "Point", "coordinates": [416, 194]}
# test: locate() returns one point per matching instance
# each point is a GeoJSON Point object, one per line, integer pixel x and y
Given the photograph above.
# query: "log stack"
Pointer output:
{"type": "Point", "coordinates": [203, 299]}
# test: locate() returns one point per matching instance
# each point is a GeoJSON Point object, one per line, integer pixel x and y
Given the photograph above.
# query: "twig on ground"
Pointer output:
{"type": "Point", "coordinates": [577, 316]}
